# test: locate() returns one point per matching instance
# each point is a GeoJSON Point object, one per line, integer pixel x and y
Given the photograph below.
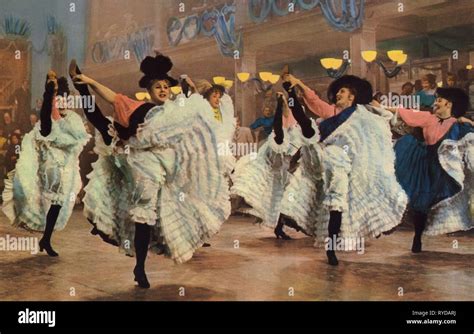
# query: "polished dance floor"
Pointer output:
{"type": "Point", "coordinates": [245, 262]}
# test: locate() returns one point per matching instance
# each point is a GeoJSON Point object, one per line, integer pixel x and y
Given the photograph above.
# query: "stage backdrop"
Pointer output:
{"type": "Point", "coordinates": [56, 32]}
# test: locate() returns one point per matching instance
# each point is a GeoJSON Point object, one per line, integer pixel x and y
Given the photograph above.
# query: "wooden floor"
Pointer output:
{"type": "Point", "coordinates": [261, 268]}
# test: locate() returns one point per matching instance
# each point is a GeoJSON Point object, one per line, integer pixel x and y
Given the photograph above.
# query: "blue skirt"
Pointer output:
{"type": "Point", "coordinates": [420, 173]}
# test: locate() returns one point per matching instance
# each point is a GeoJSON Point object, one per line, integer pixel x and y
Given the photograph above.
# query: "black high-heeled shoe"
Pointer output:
{"type": "Point", "coordinates": [332, 259]}
{"type": "Point", "coordinates": [44, 245]}
{"type": "Point", "coordinates": [280, 234]}
{"type": "Point", "coordinates": [291, 223]}
{"type": "Point", "coordinates": [416, 246]}
{"type": "Point", "coordinates": [140, 278]}
{"type": "Point", "coordinates": [73, 69]}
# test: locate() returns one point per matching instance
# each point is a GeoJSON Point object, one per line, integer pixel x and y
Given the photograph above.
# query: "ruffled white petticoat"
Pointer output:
{"type": "Point", "coordinates": [46, 173]}
{"type": "Point", "coordinates": [455, 213]}
{"type": "Point", "coordinates": [169, 175]}
{"type": "Point", "coordinates": [351, 171]}
{"type": "Point", "coordinates": [261, 179]}
{"type": "Point", "coordinates": [225, 132]}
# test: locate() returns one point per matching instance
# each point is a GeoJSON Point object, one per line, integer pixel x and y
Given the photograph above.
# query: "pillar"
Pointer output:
{"type": "Point", "coordinates": [245, 99]}
{"type": "Point", "coordinates": [362, 41]}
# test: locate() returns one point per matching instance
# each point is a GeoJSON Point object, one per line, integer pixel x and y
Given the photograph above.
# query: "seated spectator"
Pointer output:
{"type": "Point", "coordinates": [3, 151]}
{"type": "Point", "coordinates": [7, 124]}
{"type": "Point", "coordinates": [242, 135]}
{"type": "Point", "coordinates": [265, 122]}
{"type": "Point", "coordinates": [13, 152]}
{"type": "Point", "coordinates": [37, 108]}
{"type": "Point", "coordinates": [31, 124]}
{"type": "Point", "coordinates": [427, 94]}
{"type": "Point", "coordinates": [417, 86]}
{"type": "Point", "coordinates": [451, 80]}
{"type": "Point", "coordinates": [407, 89]}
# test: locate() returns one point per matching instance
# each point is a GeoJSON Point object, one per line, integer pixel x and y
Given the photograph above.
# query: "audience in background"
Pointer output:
{"type": "Point", "coordinates": [13, 152]}
{"type": "Point", "coordinates": [37, 108]}
{"type": "Point", "coordinates": [427, 94]}
{"type": "Point", "coordinates": [265, 122]}
{"type": "Point", "coordinates": [407, 89]}
{"type": "Point", "coordinates": [8, 125]}
{"type": "Point", "coordinates": [417, 86]}
{"type": "Point", "coordinates": [31, 123]}
{"type": "Point", "coordinates": [451, 80]}
{"type": "Point", "coordinates": [242, 135]}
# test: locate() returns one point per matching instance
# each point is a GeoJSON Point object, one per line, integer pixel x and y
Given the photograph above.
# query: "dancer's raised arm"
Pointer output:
{"type": "Point", "coordinates": [313, 101]}
{"type": "Point", "coordinates": [298, 112]}
{"type": "Point", "coordinates": [104, 92]}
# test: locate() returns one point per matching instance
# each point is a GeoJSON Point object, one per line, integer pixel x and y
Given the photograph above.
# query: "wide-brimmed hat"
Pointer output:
{"type": "Point", "coordinates": [361, 88]}
{"type": "Point", "coordinates": [457, 97]}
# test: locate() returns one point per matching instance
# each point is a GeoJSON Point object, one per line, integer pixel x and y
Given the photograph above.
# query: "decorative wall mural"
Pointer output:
{"type": "Point", "coordinates": [117, 39]}
{"type": "Point", "coordinates": [218, 22]}
{"type": "Point", "coordinates": [15, 27]}
{"type": "Point", "coordinates": [343, 15]}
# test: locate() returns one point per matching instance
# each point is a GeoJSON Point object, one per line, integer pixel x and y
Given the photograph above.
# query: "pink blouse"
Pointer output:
{"type": "Point", "coordinates": [289, 121]}
{"type": "Point", "coordinates": [55, 115]}
{"type": "Point", "coordinates": [124, 107]}
{"type": "Point", "coordinates": [433, 129]}
{"type": "Point", "coordinates": [318, 106]}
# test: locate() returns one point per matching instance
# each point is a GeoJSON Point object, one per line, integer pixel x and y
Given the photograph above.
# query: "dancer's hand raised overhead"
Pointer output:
{"type": "Point", "coordinates": [82, 79]}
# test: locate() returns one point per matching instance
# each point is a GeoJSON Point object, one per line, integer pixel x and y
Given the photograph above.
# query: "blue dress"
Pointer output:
{"type": "Point", "coordinates": [329, 125]}
{"type": "Point", "coordinates": [420, 173]}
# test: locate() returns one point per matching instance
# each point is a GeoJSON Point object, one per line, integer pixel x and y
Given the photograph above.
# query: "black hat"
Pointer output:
{"type": "Point", "coordinates": [156, 68]}
{"type": "Point", "coordinates": [361, 88]}
{"type": "Point", "coordinates": [457, 97]}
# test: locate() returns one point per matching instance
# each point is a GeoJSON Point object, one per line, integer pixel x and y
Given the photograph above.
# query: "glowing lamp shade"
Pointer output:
{"type": "Point", "coordinates": [142, 96]}
{"type": "Point", "coordinates": [243, 76]}
{"type": "Point", "coordinates": [336, 63]}
{"type": "Point", "coordinates": [394, 54]}
{"type": "Point", "coordinates": [176, 90]}
{"type": "Point", "coordinates": [265, 76]}
{"type": "Point", "coordinates": [218, 80]}
{"type": "Point", "coordinates": [331, 63]}
{"type": "Point", "coordinates": [326, 63]}
{"type": "Point", "coordinates": [402, 59]}
{"type": "Point", "coordinates": [469, 67]}
{"type": "Point", "coordinates": [274, 78]}
{"type": "Point", "coordinates": [397, 56]}
{"type": "Point", "coordinates": [369, 55]}
{"type": "Point", "coordinates": [228, 84]}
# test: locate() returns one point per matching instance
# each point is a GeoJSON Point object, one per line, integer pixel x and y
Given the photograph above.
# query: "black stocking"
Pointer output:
{"type": "Point", "coordinates": [278, 122]}
{"type": "Point", "coordinates": [95, 116]}
{"type": "Point", "coordinates": [142, 240]}
{"type": "Point", "coordinates": [420, 223]}
{"type": "Point", "coordinates": [51, 218]}
{"type": "Point", "coordinates": [334, 227]}
{"type": "Point", "coordinates": [298, 112]}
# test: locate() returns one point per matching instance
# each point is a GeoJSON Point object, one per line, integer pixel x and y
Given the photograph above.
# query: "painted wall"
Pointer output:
{"type": "Point", "coordinates": [36, 13]}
